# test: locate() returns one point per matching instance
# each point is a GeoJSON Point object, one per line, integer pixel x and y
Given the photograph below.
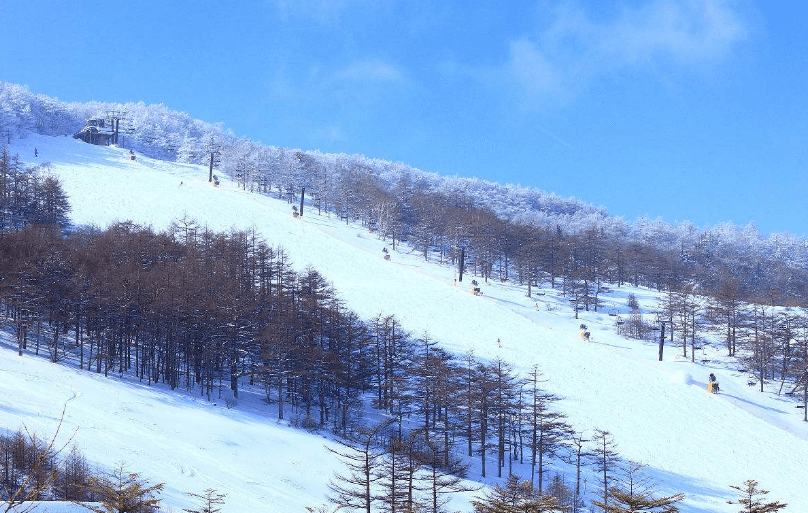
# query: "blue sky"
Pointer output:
{"type": "Point", "coordinates": [684, 109]}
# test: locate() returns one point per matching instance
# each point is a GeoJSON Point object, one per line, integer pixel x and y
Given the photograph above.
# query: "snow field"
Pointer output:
{"type": "Point", "coordinates": [658, 412]}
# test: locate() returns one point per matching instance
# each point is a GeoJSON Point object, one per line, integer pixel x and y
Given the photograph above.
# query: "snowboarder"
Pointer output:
{"type": "Point", "coordinates": [712, 385]}
{"type": "Point", "coordinates": [36, 153]}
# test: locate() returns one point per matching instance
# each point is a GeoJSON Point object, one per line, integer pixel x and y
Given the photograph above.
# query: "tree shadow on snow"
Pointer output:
{"type": "Point", "coordinates": [699, 496]}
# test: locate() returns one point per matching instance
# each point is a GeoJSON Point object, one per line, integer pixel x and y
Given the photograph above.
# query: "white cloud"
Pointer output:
{"type": "Point", "coordinates": [371, 71]}
{"type": "Point", "coordinates": [533, 71]}
{"type": "Point", "coordinates": [574, 47]}
{"type": "Point", "coordinates": [686, 31]}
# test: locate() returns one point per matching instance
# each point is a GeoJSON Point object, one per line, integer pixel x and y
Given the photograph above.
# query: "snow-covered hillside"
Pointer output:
{"type": "Point", "coordinates": [659, 412]}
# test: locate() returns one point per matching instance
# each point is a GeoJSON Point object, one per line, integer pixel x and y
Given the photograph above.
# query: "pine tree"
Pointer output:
{"type": "Point", "coordinates": [752, 500]}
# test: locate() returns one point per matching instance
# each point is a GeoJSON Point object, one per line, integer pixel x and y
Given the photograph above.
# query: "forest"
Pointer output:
{"type": "Point", "coordinates": [506, 231]}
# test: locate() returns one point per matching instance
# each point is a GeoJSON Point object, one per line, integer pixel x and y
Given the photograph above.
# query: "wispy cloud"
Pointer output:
{"type": "Point", "coordinates": [325, 12]}
{"type": "Point", "coordinates": [371, 71]}
{"type": "Point", "coordinates": [337, 96]}
{"type": "Point", "coordinates": [366, 78]}
{"type": "Point", "coordinates": [573, 46]}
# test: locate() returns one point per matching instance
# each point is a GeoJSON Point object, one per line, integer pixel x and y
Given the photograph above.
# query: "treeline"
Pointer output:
{"type": "Point", "coordinates": [193, 309]}
{"type": "Point", "coordinates": [29, 195]}
{"type": "Point", "coordinates": [500, 228]}
{"type": "Point", "coordinates": [441, 225]}
{"type": "Point", "coordinates": [34, 469]}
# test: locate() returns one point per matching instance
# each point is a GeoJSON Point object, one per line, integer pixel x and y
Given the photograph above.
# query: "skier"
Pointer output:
{"type": "Point", "coordinates": [36, 153]}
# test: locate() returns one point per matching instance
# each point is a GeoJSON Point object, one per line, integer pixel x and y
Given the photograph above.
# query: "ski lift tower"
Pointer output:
{"type": "Point", "coordinates": [215, 157]}
{"type": "Point", "coordinates": [115, 117]}
{"type": "Point", "coordinates": [661, 330]}
{"type": "Point", "coordinates": [129, 130]}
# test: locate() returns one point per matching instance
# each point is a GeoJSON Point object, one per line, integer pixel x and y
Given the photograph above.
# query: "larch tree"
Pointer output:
{"type": "Point", "coordinates": [361, 456]}
{"type": "Point", "coordinates": [209, 500]}
{"type": "Point", "coordinates": [605, 461]}
{"type": "Point", "coordinates": [578, 454]}
{"type": "Point", "coordinates": [548, 430]}
{"type": "Point", "coordinates": [752, 499]}
{"type": "Point", "coordinates": [516, 496]}
{"type": "Point", "coordinates": [40, 474]}
{"type": "Point", "coordinates": [634, 492]}
{"type": "Point", "coordinates": [124, 492]}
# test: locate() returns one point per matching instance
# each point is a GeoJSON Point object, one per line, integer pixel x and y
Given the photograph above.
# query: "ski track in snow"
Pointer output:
{"type": "Point", "coordinates": [659, 412]}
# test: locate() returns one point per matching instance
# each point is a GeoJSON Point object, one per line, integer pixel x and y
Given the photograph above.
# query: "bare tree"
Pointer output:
{"type": "Point", "coordinates": [752, 499]}
{"type": "Point", "coordinates": [124, 492]}
{"type": "Point", "coordinates": [209, 499]}
{"type": "Point", "coordinates": [41, 474]}
{"type": "Point", "coordinates": [516, 496]}
{"type": "Point", "coordinates": [605, 461]}
{"type": "Point", "coordinates": [361, 456]}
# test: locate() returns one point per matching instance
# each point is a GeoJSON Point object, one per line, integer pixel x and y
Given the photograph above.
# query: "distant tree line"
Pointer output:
{"type": "Point", "coordinates": [507, 232]}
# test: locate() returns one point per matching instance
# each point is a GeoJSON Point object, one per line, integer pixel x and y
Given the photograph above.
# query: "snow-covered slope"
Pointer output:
{"type": "Point", "coordinates": [659, 412]}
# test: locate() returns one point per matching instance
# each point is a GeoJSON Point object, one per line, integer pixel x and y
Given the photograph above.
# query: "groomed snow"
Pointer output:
{"type": "Point", "coordinates": [658, 412]}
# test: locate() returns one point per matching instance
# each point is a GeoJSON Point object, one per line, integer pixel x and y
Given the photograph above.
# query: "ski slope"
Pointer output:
{"type": "Point", "coordinates": [658, 412]}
